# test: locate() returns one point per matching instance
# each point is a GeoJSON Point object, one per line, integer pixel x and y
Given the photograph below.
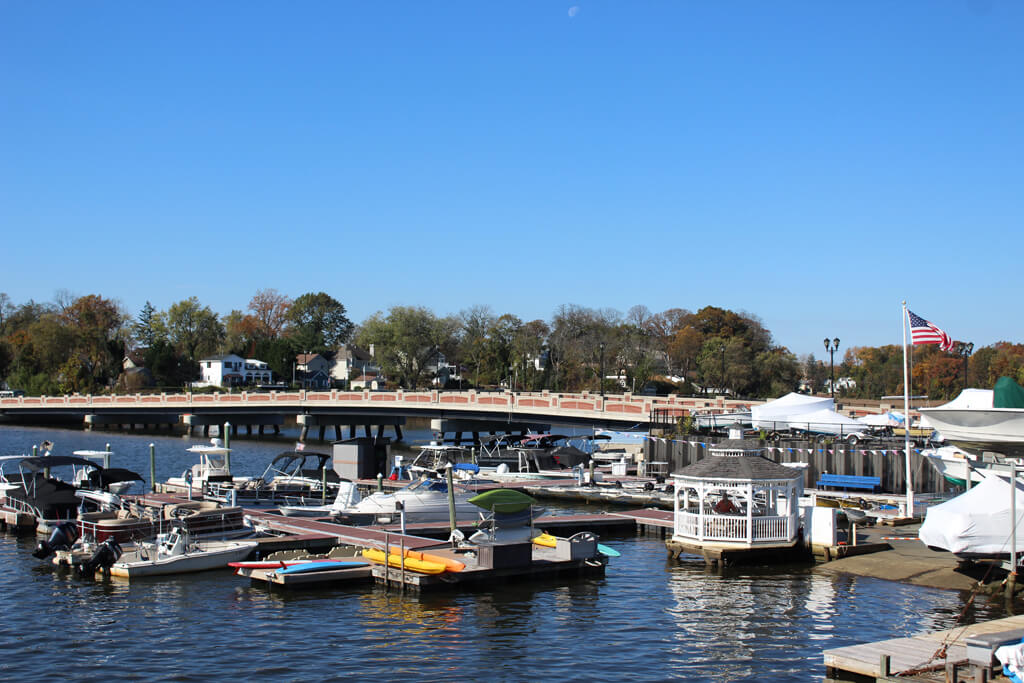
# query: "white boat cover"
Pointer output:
{"type": "Point", "coordinates": [889, 419]}
{"type": "Point", "coordinates": [781, 409]}
{"type": "Point", "coordinates": [977, 522]}
{"type": "Point", "coordinates": [798, 411]}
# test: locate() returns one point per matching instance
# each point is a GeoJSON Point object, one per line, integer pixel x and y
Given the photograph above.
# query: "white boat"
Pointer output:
{"type": "Point", "coordinates": [973, 421]}
{"type": "Point", "coordinates": [178, 553]}
{"type": "Point", "coordinates": [347, 497]}
{"type": "Point", "coordinates": [424, 500]}
{"type": "Point", "coordinates": [212, 467]}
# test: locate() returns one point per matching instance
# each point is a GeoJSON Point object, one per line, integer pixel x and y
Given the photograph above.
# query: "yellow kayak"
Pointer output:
{"type": "Point", "coordinates": [546, 540]}
{"type": "Point", "coordinates": [411, 563]}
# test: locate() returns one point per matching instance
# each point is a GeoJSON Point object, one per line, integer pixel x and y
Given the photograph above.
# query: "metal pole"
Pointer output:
{"type": "Point", "coordinates": [451, 497]}
{"type": "Point", "coordinates": [906, 416]}
{"type": "Point", "coordinates": [227, 446]}
{"type": "Point", "coordinates": [1013, 523]}
{"type": "Point", "coordinates": [152, 466]}
{"type": "Point", "coordinates": [106, 457]}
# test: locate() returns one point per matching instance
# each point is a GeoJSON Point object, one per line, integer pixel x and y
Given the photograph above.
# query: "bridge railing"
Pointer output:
{"type": "Point", "coordinates": [624, 406]}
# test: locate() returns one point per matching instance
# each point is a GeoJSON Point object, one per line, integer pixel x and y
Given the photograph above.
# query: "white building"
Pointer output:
{"type": "Point", "coordinates": [351, 362]}
{"type": "Point", "coordinates": [230, 371]}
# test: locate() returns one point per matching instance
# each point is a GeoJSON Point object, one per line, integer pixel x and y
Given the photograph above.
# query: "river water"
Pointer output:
{"type": "Point", "coordinates": [647, 619]}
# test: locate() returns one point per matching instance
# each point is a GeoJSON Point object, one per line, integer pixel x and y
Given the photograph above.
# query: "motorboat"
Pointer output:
{"type": "Point", "coordinates": [174, 552]}
{"type": "Point", "coordinates": [213, 467]}
{"type": "Point", "coordinates": [954, 463]}
{"type": "Point", "coordinates": [114, 485]}
{"type": "Point", "coordinates": [424, 500]}
{"type": "Point", "coordinates": [432, 460]}
{"type": "Point", "coordinates": [983, 419]}
{"type": "Point", "coordinates": [347, 496]}
{"type": "Point", "coordinates": [37, 497]}
{"type": "Point", "coordinates": [290, 475]}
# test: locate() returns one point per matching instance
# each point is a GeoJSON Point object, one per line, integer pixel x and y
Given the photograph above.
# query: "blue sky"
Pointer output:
{"type": "Point", "coordinates": [812, 163]}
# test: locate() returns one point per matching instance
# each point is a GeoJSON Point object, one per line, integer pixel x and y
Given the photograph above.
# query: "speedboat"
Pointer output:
{"type": "Point", "coordinates": [175, 552]}
{"type": "Point", "coordinates": [348, 495]}
{"type": "Point", "coordinates": [983, 419]}
{"type": "Point", "coordinates": [424, 500]}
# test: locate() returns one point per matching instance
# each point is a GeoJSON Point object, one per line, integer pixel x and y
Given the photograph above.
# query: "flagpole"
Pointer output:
{"type": "Point", "coordinates": [906, 415]}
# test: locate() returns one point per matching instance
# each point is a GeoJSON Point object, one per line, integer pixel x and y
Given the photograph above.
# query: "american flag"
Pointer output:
{"type": "Point", "coordinates": [924, 332]}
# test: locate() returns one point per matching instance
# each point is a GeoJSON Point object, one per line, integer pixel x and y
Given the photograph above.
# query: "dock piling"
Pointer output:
{"type": "Point", "coordinates": [152, 467]}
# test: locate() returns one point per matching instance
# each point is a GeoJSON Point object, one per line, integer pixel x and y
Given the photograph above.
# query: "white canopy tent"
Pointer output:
{"type": "Point", "coordinates": [977, 522]}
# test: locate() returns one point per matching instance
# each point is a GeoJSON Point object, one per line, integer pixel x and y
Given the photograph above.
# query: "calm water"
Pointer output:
{"type": "Point", "coordinates": [648, 619]}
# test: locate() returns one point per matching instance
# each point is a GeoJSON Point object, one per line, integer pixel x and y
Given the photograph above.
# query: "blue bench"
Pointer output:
{"type": "Point", "coordinates": [848, 481]}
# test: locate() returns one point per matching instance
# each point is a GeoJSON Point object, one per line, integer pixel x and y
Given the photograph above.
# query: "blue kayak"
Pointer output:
{"type": "Point", "coordinates": [319, 567]}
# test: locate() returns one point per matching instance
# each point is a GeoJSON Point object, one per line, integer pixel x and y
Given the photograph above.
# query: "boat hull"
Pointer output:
{"type": "Point", "coordinates": [215, 555]}
{"type": "Point", "coordinates": [1000, 430]}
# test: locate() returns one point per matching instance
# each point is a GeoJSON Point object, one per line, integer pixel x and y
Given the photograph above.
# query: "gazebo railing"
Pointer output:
{"type": "Point", "coordinates": [733, 528]}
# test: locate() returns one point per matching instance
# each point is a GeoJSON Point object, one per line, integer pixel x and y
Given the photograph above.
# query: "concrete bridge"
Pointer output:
{"type": "Point", "coordinates": [358, 408]}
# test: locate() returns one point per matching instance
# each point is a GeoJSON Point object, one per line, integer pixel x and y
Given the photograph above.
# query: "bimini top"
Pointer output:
{"type": "Point", "coordinates": [103, 478]}
{"type": "Point", "coordinates": [38, 463]}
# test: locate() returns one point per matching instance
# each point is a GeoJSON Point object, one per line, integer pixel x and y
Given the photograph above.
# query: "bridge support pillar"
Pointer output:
{"type": "Point", "coordinates": [89, 421]}
{"type": "Point", "coordinates": [303, 421]}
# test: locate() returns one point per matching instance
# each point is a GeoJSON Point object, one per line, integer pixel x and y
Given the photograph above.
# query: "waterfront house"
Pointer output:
{"type": "Point", "coordinates": [351, 362]}
{"type": "Point", "coordinates": [313, 371]}
{"type": "Point", "coordinates": [735, 500]}
{"type": "Point", "coordinates": [230, 370]}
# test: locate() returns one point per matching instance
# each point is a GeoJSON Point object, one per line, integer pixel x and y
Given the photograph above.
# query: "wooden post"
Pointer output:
{"type": "Point", "coordinates": [152, 466]}
{"type": "Point", "coordinates": [883, 666]}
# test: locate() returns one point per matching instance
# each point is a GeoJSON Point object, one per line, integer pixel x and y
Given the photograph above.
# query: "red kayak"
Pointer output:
{"type": "Point", "coordinates": [276, 564]}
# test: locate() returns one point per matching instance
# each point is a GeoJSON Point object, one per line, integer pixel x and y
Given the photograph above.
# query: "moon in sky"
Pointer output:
{"type": "Point", "coordinates": [573, 11]}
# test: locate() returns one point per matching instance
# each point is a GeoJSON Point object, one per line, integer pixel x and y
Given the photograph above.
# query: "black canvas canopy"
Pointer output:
{"type": "Point", "coordinates": [41, 462]}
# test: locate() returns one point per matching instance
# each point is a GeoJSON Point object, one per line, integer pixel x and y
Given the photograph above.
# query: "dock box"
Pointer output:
{"type": "Point", "coordinates": [982, 646]}
{"type": "Point", "coordinates": [577, 547]}
{"type": "Point", "coordinates": [505, 555]}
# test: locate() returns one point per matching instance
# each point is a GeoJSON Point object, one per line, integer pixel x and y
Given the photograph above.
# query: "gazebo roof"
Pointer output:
{"type": "Point", "coordinates": [746, 468]}
{"type": "Point", "coordinates": [749, 445]}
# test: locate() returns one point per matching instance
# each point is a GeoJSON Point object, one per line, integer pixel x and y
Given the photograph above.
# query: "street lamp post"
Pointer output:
{"type": "Point", "coordinates": [721, 389]}
{"type": "Point", "coordinates": [600, 380]}
{"type": "Point", "coordinates": [832, 345]}
{"type": "Point", "coordinates": [964, 350]}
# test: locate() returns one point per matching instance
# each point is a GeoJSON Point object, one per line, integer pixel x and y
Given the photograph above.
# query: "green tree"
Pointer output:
{"type": "Point", "coordinates": [405, 341]}
{"type": "Point", "coordinates": [318, 322]}
{"type": "Point", "coordinates": [194, 329]}
{"type": "Point", "coordinates": [144, 328]}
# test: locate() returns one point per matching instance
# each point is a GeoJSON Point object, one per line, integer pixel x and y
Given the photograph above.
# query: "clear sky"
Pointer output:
{"type": "Point", "coordinates": [812, 163]}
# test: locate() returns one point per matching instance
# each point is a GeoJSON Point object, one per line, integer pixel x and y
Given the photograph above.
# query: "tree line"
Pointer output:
{"type": "Point", "coordinates": [77, 344]}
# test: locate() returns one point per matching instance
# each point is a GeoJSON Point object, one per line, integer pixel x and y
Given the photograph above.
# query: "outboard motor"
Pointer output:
{"type": "Point", "coordinates": [105, 556]}
{"type": "Point", "coordinates": [63, 537]}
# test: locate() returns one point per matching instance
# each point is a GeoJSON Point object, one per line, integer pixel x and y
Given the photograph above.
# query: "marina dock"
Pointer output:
{"type": "Point", "coordinates": [937, 656]}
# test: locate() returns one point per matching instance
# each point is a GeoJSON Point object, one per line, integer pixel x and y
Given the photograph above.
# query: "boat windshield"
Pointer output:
{"type": "Point", "coordinates": [432, 485]}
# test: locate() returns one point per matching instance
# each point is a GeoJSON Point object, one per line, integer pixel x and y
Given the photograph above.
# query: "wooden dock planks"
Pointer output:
{"type": "Point", "coordinates": [914, 652]}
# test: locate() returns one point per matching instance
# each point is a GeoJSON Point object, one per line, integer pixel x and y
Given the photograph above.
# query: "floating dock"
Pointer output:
{"type": "Point", "coordinates": [938, 656]}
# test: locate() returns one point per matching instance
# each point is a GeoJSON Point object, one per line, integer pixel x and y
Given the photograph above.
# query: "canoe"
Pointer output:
{"type": "Point", "coordinates": [503, 500]}
{"type": "Point", "coordinates": [307, 567]}
{"type": "Point", "coordinates": [412, 564]}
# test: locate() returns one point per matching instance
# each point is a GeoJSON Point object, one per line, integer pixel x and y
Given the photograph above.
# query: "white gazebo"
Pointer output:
{"type": "Point", "coordinates": [735, 501]}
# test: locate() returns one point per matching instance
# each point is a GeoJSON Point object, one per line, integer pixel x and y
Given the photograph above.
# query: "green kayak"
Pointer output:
{"type": "Point", "coordinates": [503, 500]}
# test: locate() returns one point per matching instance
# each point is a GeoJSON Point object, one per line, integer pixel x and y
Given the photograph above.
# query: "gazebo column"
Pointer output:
{"type": "Point", "coordinates": [750, 513]}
